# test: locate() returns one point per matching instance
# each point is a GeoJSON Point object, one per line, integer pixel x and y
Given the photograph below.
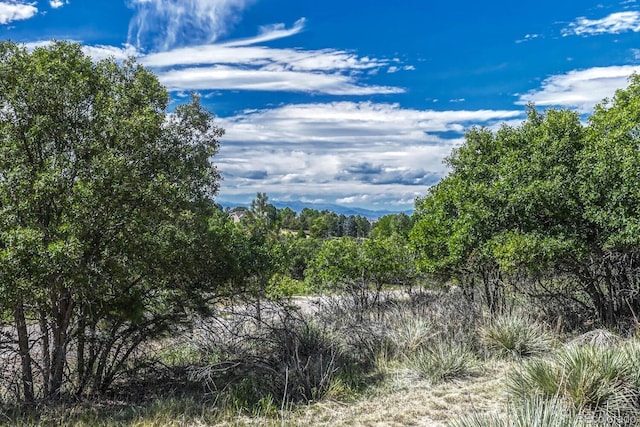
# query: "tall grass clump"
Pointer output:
{"type": "Point", "coordinates": [443, 362]}
{"type": "Point", "coordinates": [586, 377]}
{"type": "Point", "coordinates": [515, 336]}
{"type": "Point", "coordinates": [401, 326]}
{"type": "Point", "coordinates": [532, 412]}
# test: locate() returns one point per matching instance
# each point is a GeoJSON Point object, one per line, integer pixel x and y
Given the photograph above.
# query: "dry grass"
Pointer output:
{"type": "Point", "coordinates": [404, 400]}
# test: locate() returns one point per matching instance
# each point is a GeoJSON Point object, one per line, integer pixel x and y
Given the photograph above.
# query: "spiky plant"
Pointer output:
{"type": "Point", "coordinates": [444, 361]}
{"type": "Point", "coordinates": [532, 412]}
{"type": "Point", "coordinates": [587, 377]}
{"type": "Point", "coordinates": [515, 336]}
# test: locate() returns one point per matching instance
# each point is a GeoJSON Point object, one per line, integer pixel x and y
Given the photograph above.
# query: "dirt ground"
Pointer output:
{"type": "Point", "coordinates": [406, 400]}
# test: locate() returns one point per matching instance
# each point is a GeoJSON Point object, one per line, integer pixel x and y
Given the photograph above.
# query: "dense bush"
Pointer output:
{"type": "Point", "coordinates": [548, 209]}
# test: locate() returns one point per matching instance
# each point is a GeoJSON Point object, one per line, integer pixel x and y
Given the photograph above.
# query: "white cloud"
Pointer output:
{"type": "Point", "coordinates": [239, 65]}
{"type": "Point", "coordinates": [580, 89]}
{"type": "Point", "coordinates": [363, 123]}
{"type": "Point", "coordinates": [224, 77]}
{"type": "Point", "coordinates": [295, 59]}
{"type": "Point", "coordinates": [362, 153]}
{"type": "Point", "coordinates": [55, 4]}
{"type": "Point", "coordinates": [16, 11]}
{"type": "Point", "coordinates": [528, 37]}
{"type": "Point", "coordinates": [269, 33]}
{"type": "Point", "coordinates": [163, 24]}
{"type": "Point", "coordinates": [97, 52]}
{"type": "Point", "coordinates": [615, 23]}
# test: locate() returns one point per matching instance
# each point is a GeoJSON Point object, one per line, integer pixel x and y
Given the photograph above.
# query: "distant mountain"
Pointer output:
{"type": "Point", "coordinates": [339, 209]}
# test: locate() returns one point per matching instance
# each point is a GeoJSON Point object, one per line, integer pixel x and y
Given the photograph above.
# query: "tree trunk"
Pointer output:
{"type": "Point", "coordinates": [63, 316]}
{"type": "Point", "coordinates": [80, 350]}
{"type": "Point", "coordinates": [46, 355]}
{"type": "Point", "coordinates": [25, 355]}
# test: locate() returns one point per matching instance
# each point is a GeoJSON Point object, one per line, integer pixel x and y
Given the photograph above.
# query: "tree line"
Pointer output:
{"type": "Point", "coordinates": [309, 222]}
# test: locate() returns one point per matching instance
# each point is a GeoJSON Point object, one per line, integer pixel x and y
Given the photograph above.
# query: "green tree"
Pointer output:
{"type": "Point", "coordinates": [389, 225]}
{"type": "Point", "coordinates": [362, 268]}
{"type": "Point", "coordinates": [105, 201]}
{"type": "Point", "coordinates": [363, 226]}
{"type": "Point", "coordinates": [608, 182]}
{"type": "Point", "coordinates": [548, 208]}
{"type": "Point", "coordinates": [288, 219]}
{"type": "Point", "coordinates": [307, 217]}
{"type": "Point", "coordinates": [262, 214]}
{"type": "Point", "coordinates": [507, 206]}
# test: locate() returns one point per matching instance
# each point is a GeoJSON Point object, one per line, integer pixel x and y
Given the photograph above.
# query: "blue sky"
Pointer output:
{"type": "Point", "coordinates": [352, 102]}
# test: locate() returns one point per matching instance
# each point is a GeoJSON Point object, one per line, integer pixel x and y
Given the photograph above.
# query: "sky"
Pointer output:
{"type": "Point", "coordinates": [351, 102]}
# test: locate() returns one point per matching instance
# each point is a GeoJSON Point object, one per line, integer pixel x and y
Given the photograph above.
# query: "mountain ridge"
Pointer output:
{"type": "Point", "coordinates": [298, 206]}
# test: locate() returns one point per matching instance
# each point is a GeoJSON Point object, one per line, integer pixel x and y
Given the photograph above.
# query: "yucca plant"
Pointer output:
{"type": "Point", "coordinates": [515, 336]}
{"type": "Point", "coordinates": [443, 362]}
{"type": "Point", "coordinates": [587, 377]}
{"type": "Point", "coordinates": [536, 377]}
{"type": "Point", "coordinates": [410, 334]}
{"type": "Point", "coordinates": [533, 412]}
{"type": "Point", "coordinates": [598, 378]}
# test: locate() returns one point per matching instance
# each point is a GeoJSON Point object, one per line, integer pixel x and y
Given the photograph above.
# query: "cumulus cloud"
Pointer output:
{"type": "Point", "coordinates": [364, 123]}
{"type": "Point", "coordinates": [615, 23]}
{"type": "Point", "coordinates": [343, 150]}
{"type": "Point", "coordinates": [55, 4]}
{"type": "Point", "coordinates": [16, 11]}
{"type": "Point", "coordinates": [384, 174]}
{"type": "Point", "coordinates": [163, 24]}
{"type": "Point", "coordinates": [580, 89]}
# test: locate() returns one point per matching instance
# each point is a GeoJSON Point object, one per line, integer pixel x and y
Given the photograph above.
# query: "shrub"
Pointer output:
{"type": "Point", "coordinates": [515, 336]}
{"type": "Point", "coordinates": [287, 356]}
{"type": "Point", "coordinates": [399, 326]}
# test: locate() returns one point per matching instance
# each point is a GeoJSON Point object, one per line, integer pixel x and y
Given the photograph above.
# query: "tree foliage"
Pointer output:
{"type": "Point", "coordinates": [549, 208]}
{"type": "Point", "coordinates": [106, 236]}
{"type": "Point", "coordinates": [361, 268]}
